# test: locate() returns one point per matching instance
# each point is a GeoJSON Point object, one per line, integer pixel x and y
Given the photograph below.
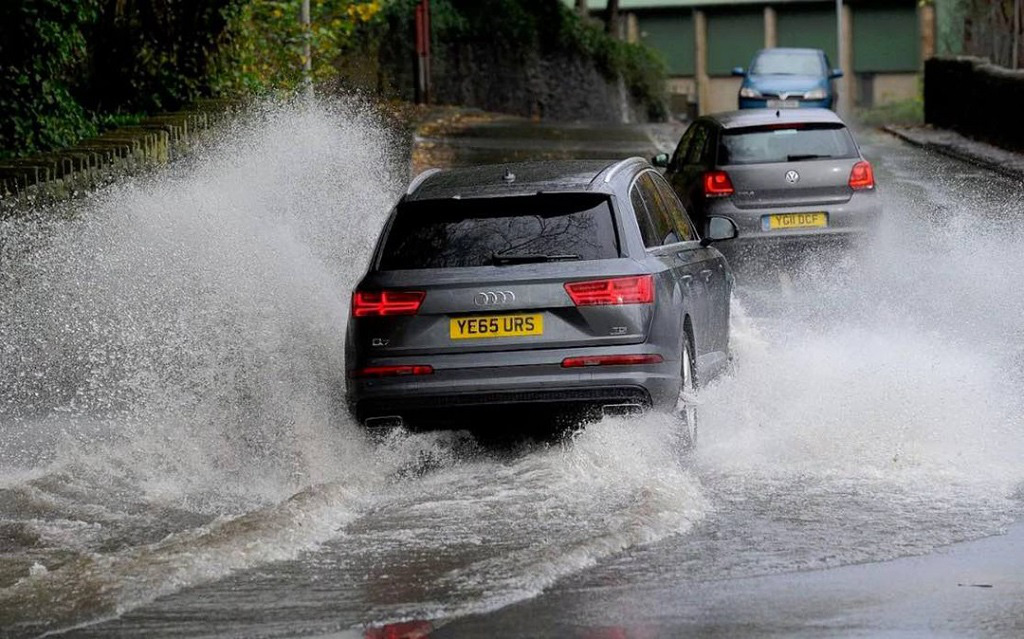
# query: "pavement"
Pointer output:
{"type": "Point", "coordinates": [955, 145]}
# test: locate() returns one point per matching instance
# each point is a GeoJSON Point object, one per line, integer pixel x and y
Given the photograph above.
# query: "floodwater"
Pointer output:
{"type": "Point", "coordinates": [175, 459]}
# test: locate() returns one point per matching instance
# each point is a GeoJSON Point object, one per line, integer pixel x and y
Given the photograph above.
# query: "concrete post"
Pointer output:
{"type": "Point", "coordinates": [848, 82]}
{"type": "Point", "coordinates": [632, 28]}
{"type": "Point", "coordinates": [926, 19]}
{"type": "Point", "coordinates": [700, 28]}
{"type": "Point", "coordinates": [771, 27]}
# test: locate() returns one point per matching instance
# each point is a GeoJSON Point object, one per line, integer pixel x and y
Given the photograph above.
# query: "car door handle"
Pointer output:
{"type": "Point", "coordinates": [707, 273]}
{"type": "Point", "coordinates": [687, 279]}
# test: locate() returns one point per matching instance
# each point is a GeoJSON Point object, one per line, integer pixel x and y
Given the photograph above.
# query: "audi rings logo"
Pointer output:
{"type": "Point", "coordinates": [792, 177]}
{"type": "Point", "coordinates": [494, 298]}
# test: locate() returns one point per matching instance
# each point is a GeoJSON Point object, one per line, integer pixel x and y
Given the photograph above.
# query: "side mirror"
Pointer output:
{"type": "Point", "coordinates": [719, 229]}
{"type": "Point", "coordinates": [660, 160]}
{"type": "Point", "coordinates": [738, 71]}
{"type": "Point", "coordinates": [836, 73]}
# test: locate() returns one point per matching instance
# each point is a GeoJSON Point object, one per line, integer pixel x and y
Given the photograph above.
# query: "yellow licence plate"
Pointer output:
{"type": "Point", "coordinates": [797, 221]}
{"type": "Point", "coordinates": [496, 326]}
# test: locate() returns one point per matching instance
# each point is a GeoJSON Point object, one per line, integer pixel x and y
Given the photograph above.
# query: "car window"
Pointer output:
{"type": "Point", "coordinates": [663, 230]}
{"type": "Point", "coordinates": [785, 143]}
{"type": "Point", "coordinates": [643, 217]}
{"type": "Point", "coordinates": [676, 211]}
{"type": "Point", "coordinates": [679, 157]}
{"type": "Point", "coordinates": [707, 156]}
{"type": "Point", "coordinates": [696, 149]}
{"type": "Point", "coordinates": [474, 232]}
{"type": "Point", "coordinates": [788, 63]}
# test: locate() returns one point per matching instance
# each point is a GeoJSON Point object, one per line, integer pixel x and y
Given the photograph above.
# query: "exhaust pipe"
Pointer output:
{"type": "Point", "coordinates": [384, 422]}
{"type": "Point", "coordinates": [622, 410]}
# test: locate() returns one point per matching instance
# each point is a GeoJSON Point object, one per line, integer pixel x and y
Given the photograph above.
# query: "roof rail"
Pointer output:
{"type": "Point", "coordinates": [420, 179]}
{"type": "Point", "coordinates": [613, 171]}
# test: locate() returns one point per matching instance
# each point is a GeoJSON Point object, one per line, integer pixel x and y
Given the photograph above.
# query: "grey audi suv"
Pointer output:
{"type": "Point", "coordinates": [786, 177]}
{"type": "Point", "coordinates": [497, 293]}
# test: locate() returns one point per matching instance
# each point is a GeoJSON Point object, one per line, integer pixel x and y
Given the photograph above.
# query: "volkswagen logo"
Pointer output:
{"type": "Point", "coordinates": [494, 298]}
{"type": "Point", "coordinates": [792, 177]}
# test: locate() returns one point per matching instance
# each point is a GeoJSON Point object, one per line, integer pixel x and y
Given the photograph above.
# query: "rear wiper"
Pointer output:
{"type": "Point", "coordinates": [807, 156]}
{"type": "Point", "coordinates": [529, 258]}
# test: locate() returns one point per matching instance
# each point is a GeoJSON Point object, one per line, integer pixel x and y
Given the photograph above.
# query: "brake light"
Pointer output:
{"type": "Point", "coordinates": [862, 176]}
{"type": "Point", "coordinates": [381, 303]}
{"type": "Point", "coordinates": [619, 290]}
{"type": "Point", "coordinates": [611, 360]}
{"type": "Point", "coordinates": [393, 371]}
{"type": "Point", "coordinates": [717, 184]}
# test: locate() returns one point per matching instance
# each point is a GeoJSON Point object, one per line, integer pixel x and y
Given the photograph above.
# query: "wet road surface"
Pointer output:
{"type": "Point", "coordinates": [175, 463]}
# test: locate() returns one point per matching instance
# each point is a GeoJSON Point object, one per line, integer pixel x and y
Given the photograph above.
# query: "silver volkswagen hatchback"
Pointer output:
{"type": "Point", "coordinates": [497, 294]}
{"type": "Point", "coordinates": [782, 176]}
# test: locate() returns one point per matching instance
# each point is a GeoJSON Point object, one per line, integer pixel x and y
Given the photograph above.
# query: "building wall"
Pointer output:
{"type": "Point", "coordinates": [882, 37]}
{"type": "Point", "coordinates": [671, 34]}
{"type": "Point", "coordinates": [724, 94]}
{"type": "Point", "coordinates": [733, 37]}
{"type": "Point", "coordinates": [812, 27]}
{"type": "Point", "coordinates": [888, 88]}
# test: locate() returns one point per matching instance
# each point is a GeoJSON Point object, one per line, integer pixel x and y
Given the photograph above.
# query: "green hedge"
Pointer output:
{"type": "Point", "coordinates": [71, 67]}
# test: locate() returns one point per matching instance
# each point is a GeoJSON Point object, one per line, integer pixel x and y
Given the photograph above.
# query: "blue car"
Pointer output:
{"type": "Point", "coordinates": [788, 78]}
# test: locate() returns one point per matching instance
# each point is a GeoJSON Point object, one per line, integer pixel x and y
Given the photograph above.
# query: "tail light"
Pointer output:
{"type": "Point", "coordinates": [619, 290]}
{"type": "Point", "coordinates": [717, 184]}
{"type": "Point", "coordinates": [862, 176]}
{"type": "Point", "coordinates": [381, 303]}
{"type": "Point", "coordinates": [393, 371]}
{"type": "Point", "coordinates": [611, 360]}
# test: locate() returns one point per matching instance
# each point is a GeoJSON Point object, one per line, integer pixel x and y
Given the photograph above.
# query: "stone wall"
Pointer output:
{"type": "Point", "coordinates": [556, 85]}
{"type": "Point", "coordinates": [96, 161]}
{"type": "Point", "coordinates": [975, 98]}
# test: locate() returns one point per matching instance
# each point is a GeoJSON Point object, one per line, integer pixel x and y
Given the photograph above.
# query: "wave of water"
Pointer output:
{"type": "Point", "coordinates": [173, 357]}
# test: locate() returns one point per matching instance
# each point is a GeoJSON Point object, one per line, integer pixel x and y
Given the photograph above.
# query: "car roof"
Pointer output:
{"type": "Point", "coordinates": [490, 180]}
{"type": "Point", "coordinates": [791, 50]}
{"type": "Point", "coordinates": [761, 117]}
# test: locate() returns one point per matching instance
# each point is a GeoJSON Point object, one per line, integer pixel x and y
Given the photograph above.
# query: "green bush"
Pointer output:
{"type": "Point", "coordinates": [42, 55]}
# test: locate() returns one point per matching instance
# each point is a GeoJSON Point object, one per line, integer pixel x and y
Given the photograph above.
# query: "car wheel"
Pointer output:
{"type": "Point", "coordinates": [686, 404]}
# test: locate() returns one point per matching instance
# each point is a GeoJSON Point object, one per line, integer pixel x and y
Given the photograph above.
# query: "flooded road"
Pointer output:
{"type": "Point", "coordinates": [175, 460]}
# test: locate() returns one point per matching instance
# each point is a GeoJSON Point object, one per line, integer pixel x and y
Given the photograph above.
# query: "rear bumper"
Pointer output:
{"type": "Point", "coordinates": [445, 397]}
{"type": "Point", "coordinates": [762, 103]}
{"type": "Point", "coordinates": [860, 215]}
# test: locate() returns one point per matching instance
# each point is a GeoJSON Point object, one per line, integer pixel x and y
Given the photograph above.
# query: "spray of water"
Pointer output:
{"type": "Point", "coordinates": [173, 357]}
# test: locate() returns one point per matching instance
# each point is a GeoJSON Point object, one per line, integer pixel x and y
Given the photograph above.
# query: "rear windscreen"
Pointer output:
{"type": "Point", "coordinates": [500, 231]}
{"type": "Point", "coordinates": [785, 143]}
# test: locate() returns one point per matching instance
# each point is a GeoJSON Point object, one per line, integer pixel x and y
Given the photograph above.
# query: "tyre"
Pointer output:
{"type": "Point", "coordinates": [686, 404]}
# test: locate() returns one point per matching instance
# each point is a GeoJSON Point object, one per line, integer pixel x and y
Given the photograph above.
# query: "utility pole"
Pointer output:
{"type": "Point", "coordinates": [839, 34]}
{"type": "Point", "coordinates": [423, 52]}
{"type": "Point", "coordinates": [612, 19]}
{"type": "Point", "coordinates": [307, 51]}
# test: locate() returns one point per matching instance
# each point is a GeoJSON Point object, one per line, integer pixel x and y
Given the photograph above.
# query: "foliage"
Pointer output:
{"type": "Point", "coordinates": [71, 67]}
{"type": "Point", "coordinates": [519, 27]}
{"type": "Point", "coordinates": [41, 55]}
{"type": "Point", "coordinates": [263, 47]}
{"type": "Point", "coordinates": [906, 112]}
